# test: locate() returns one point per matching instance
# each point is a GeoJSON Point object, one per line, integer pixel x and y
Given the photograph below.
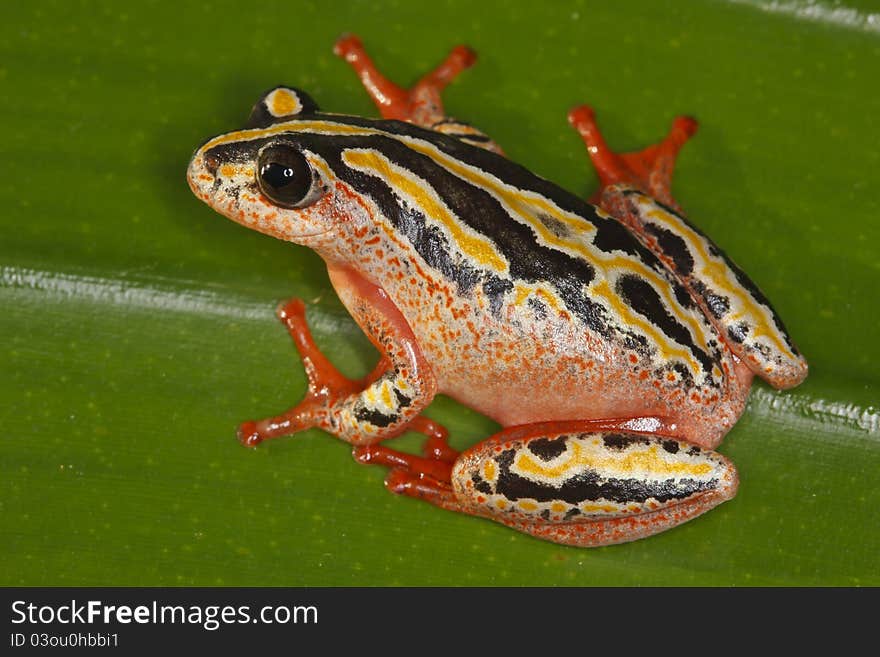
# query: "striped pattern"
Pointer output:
{"type": "Point", "coordinates": [741, 313]}
{"type": "Point", "coordinates": [589, 477]}
{"type": "Point", "coordinates": [379, 406]}
{"type": "Point", "coordinates": [493, 229]}
{"type": "Point", "coordinates": [465, 132]}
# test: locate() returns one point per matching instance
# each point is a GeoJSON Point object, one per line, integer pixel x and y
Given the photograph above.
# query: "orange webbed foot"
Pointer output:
{"type": "Point", "coordinates": [326, 384]}
{"type": "Point", "coordinates": [649, 170]}
{"type": "Point", "coordinates": [420, 104]}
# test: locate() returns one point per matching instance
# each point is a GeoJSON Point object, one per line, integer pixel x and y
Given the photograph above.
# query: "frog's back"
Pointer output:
{"type": "Point", "coordinates": [484, 258]}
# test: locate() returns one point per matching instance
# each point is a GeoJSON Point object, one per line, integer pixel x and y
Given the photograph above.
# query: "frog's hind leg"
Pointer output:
{"type": "Point", "coordinates": [437, 444]}
{"type": "Point", "coordinates": [427, 477]}
{"type": "Point", "coordinates": [423, 103]}
{"type": "Point", "coordinates": [436, 460]}
{"type": "Point", "coordinates": [636, 191]}
{"type": "Point", "coordinates": [582, 483]}
{"type": "Point", "coordinates": [649, 170]}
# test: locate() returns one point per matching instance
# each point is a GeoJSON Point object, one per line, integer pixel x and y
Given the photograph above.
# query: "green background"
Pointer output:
{"type": "Point", "coordinates": [137, 325]}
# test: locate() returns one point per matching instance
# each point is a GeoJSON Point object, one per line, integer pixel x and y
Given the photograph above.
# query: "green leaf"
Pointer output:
{"type": "Point", "coordinates": [137, 325]}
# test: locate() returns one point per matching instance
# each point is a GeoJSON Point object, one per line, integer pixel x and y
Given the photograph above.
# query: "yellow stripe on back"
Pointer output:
{"type": "Point", "coordinates": [473, 245]}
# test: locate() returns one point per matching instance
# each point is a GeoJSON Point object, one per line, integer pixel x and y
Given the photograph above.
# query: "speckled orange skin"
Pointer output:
{"type": "Point", "coordinates": [539, 374]}
{"type": "Point", "coordinates": [527, 369]}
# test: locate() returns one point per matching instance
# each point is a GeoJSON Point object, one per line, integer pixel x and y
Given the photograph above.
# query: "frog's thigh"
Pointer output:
{"type": "Point", "coordinates": [401, 387]}
{"type": "Point", "coordinates": [733, 303]}
{"type": "Point", "coordinates": [589, 486]}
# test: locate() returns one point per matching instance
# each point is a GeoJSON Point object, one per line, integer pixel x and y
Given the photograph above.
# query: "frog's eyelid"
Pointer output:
{"type": "Point", "coordinates": [278, 104]}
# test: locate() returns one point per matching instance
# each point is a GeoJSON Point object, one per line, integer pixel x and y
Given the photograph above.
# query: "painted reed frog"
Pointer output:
{"type": "Point", "coordinates": [614, 342]}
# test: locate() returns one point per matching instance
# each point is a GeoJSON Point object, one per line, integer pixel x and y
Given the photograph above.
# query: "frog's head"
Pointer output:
{"type": "Point", "coordinates": [265, 177]}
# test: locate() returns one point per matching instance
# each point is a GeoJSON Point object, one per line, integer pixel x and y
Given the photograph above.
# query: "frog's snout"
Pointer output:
{"type": "Point", "coordinates": [210, 163]}
{"type": "Point", "coordinates": [202, 164]}
{"type": "Point", "coordinates": [201, 174]}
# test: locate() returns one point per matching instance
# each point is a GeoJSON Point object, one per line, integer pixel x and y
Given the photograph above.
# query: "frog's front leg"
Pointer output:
{"type": "Point", "coordinates": [582, 483]}
{"type": "Point", "coordinates": [423, 103]}
{"type": "Point", "coordinates": [382, 405]}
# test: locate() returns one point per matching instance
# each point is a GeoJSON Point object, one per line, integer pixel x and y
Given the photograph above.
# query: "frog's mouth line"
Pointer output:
{"type": "Point", "coordinates": [204, 189]}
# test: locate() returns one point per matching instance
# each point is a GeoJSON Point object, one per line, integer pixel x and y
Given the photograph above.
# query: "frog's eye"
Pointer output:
{"type": "Point", "coordinates": [285, 177]}
{"type": "Point", "coordinates": [279, 104]}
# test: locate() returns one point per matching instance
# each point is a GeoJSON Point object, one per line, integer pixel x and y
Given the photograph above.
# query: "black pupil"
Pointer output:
{"type": "Point", "coordinates": [277, 174]}
{"type": "Point", "coordinates": [285, 176]}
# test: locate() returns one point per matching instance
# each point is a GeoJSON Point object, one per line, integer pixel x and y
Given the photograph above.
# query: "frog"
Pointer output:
{"type": "Point", "coordinates": [611, 340]}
